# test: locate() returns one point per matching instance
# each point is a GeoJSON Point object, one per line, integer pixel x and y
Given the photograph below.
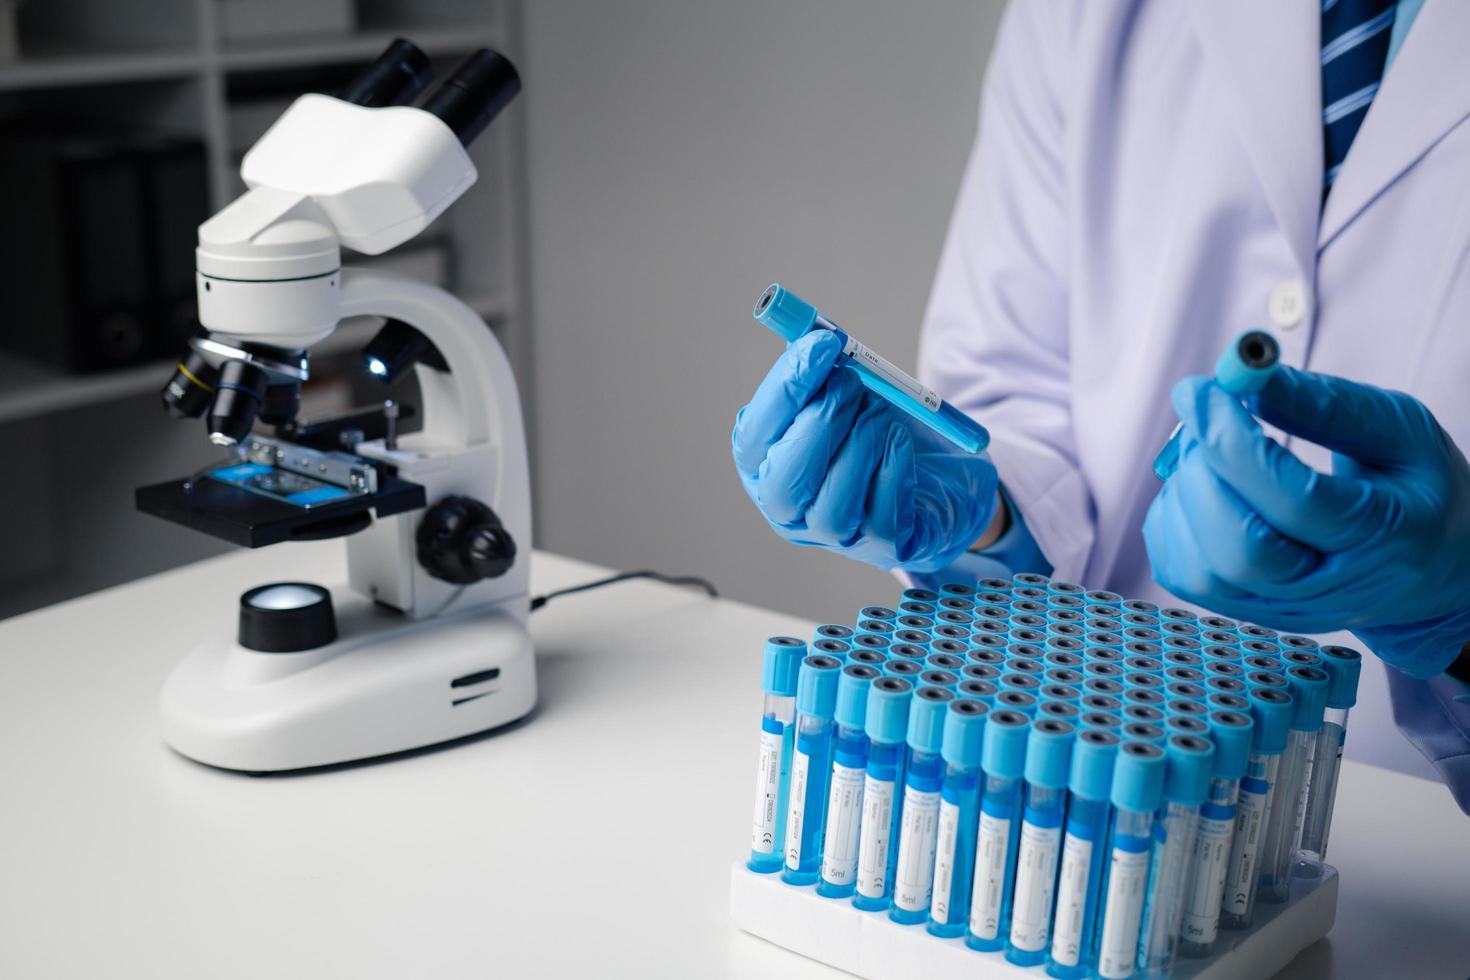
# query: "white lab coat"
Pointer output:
{"type": "Point", "coordinates": [1145, 186]}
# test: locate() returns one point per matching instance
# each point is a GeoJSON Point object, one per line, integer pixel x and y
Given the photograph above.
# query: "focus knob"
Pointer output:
{"type": "Point", "coordinates": [286, 617]}
{"type": "Point", "coordinates": [462, 541]}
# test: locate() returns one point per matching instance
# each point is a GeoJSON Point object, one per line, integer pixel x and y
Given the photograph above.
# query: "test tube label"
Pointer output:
{"type": "Point", "coordinates": [886, 370]}
{"type": "Point", "coordinates": [844, 813]}
{"type": "Point", "coordinates": [1123, 912]}
{"type": "Point", "coordinates": [1299, 821]}
{"type": "Point", "coordinates": [873, 845]}
{"type": "Point", "coordinates": [948, 839]}
{"type": "Point", "coordinates": [990, 874]}
{"type": "Point", "coordinates": [1211, 858]}
{"type": "Point", "coordinates": [1250, 826]}
{"type": "Point", "coordinates": [1036, 871]}
{"type": "Point", "coordinates": [1066, 946]}
{"type": "Point", "coordinates": [916, 846]}
{"type": "Point", "coordinates": [767, 790]}
{"type": "Point", "coordinates": [800, 764]}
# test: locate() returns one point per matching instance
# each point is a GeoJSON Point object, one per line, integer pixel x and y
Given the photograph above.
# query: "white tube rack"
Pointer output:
{"type": "Point", "coordinates": [870, 945]}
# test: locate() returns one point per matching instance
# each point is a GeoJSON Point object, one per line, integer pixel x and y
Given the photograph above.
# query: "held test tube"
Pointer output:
{"type": "Point", "coordinates": [779, 669]}
{"type": "Point", "coordinates": [1048, 763]}
{"type": "Point", "coordinates": [811, 767]}
{"type": "Point", "coordinates": [1270, 710]}
{"type": "Point", "coordinates": [849, 772]}
{"type": "Point", "coordinates": [790, 316]}
{"type": "Point", "coordinates": [1187, 763]}
{"type": "Point", "coordinates": [1084, 859]}
{"type": "Point", "coordinates": [918, 835]}
{"type": "Point", "coordinates": [1003, 759]}
{"type": "Point", "coordinates": [1242, 369]}
{"type": "Point", "coordinates": [1309, 693]}
{"type": "Point", "coordinates": [1138, 785]}
{"type": "Point", "coordinates": [959, 812]}
{"type": "Point", "coordinates": [1343, 666]}
{"type": "Point", "coordinates": [1231, 732]}
{"type": "Point", "coordinates": [886, 723]}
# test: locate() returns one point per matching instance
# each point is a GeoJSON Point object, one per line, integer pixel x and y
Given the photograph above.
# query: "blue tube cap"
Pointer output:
{"type": "Point", "coordinates": [1138, 777]}
{"type": "Point", "coordinates": [782, 664]}
{"type": "Point", "coordinates": [964, 733]}
{"type": "Point", "coordinates": [887, 719]}
{"type": "Point", "coordinates": [1049, 753]}
{"type": "Point", "coordinates": [784, 312]}
{"type": "Point", "coordinates": [1343, 665]}
{"type": "Point", "coordinates": [1247, 364]}
{"type": "Point", "coordinates": [1094, 752]}
{"type": "Point", "coordinates": [1309, 690]}
{"type": "Point", "coordinates": [816, 685]}
{"type": "Point", "coordinates": [1231, 732]}
{"type": "Point", "coordinates": [852, 694]}
{"type": "Point", "coordinates": [926, 718]}
{"type": "Point", "coordinates": [1004, 752]}
{"type": "Point", "coordinates": [1189, 760]}
{"type": "Point", "coordinates": [1271, 711]}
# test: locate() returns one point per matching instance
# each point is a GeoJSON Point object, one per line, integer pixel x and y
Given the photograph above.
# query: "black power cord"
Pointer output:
{"type": "Point", "coordinates": [692, 581]}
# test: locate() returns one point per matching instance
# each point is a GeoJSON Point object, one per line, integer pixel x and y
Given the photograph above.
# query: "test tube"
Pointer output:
{"type": "Point", "coordinates": [886, 722]}
{"type": "Point", "coordinates": [1187, 764]}
{"type": "Point", "coordinates": [840, 649]}
{"type": "Point", "coordinates": [1343, 666]}
{"type": "Point", "coordinates": [1243, 368]}
{"type": "Point", "coordinates": [849, 773]}
{"type": "Point", "coordinates": [978, 689]}
{"type": "Point", "coordinates": [1309, 699]}
{"type": "Point", "coordinates": [1270, 711]}
{"type": "Point", "coordinates": [1138, 787]}
{"type": "Point", "coordinates": [1084, 859]}
{"type": "Point", "coordinates": [959, 812]}
{"type": "Point", "coordinates": [1048, 764]}
{"type": "Point", "coordinates": [1231, 732]}
{"type": "Point", "coordinates": [779, 668]}
{"type": "Point", "coordinates": [1002, 761]}
{"type": "Point", "coordinates": [831, 631]}
{"type": "Point", "coordinates": [811, 767]}
{"type": "Point", "coordinates": [790, 316]}
{"type": "Point", "coordinates": [913, 875]}
{"type": "Point", "coordinates": [920, 622]}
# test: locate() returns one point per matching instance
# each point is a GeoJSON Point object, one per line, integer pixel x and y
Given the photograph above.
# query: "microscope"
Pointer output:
{"type": "Point", "coordinates": [425, 640]}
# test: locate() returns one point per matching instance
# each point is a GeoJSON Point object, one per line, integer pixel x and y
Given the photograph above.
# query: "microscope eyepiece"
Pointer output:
{"type": "Point", "coordinates": [476, 92]}
{"type": "Point", "coordinates": [237, 399]}
{"type": "Point", "coordinates": [189, 391]}
{"type": "Point", "coordinates": [401, 72]}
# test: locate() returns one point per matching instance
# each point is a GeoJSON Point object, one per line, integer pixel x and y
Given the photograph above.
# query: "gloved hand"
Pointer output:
{"type": "Point", "coordinates": [833, 466]}
{"type": "Point", "coordinates": [1381, 546]}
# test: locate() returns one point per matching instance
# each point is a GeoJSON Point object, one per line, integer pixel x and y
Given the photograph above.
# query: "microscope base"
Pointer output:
{"type": "Point", "coordinates": [386, 685]}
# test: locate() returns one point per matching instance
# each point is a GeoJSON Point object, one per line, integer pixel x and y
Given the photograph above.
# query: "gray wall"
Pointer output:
{"type": "Point", "coordinates": [682, 155]}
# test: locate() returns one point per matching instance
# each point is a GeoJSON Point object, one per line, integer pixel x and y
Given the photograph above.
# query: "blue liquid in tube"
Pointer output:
{"type": "Point", "coordinates": [959, 814]}
{"type": "Point", "coordinates": [845, 794]}
{"type": "Point", "coordinates": [811, 767]}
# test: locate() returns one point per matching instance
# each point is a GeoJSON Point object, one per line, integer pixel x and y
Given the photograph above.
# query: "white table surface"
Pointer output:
{"type": "Point", "coordinates": [594, 840]}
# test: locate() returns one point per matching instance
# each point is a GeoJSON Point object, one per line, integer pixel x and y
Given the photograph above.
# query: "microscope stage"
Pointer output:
{"type": "Point", "coordinates": [248, 517]}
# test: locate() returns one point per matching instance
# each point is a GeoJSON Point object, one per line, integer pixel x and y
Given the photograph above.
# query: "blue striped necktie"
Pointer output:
{"type": "Point", "coordinates": [1355, 35]}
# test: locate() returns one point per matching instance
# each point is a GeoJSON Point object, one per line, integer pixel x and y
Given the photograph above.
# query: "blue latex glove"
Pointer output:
{"type": "Point", "coordinates": [833, 466]}
{"type": "Point", "coordinates": [1381, 546]}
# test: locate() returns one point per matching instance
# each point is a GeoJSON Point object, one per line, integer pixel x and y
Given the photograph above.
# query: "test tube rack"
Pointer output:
{"type": "Point", "coordinates": [873, 946]}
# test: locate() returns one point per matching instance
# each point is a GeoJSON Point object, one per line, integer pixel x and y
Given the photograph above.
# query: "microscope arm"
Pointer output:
{"type": "Point", "coordinates": [473, 443]}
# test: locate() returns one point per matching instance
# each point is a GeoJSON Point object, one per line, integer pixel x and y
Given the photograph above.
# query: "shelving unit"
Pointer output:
{"type": "Point", "coordinates": [165, 66]}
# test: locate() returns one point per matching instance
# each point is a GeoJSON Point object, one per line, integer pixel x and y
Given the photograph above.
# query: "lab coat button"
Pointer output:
{"type": "Point", "coordinates": [1287, 305]}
